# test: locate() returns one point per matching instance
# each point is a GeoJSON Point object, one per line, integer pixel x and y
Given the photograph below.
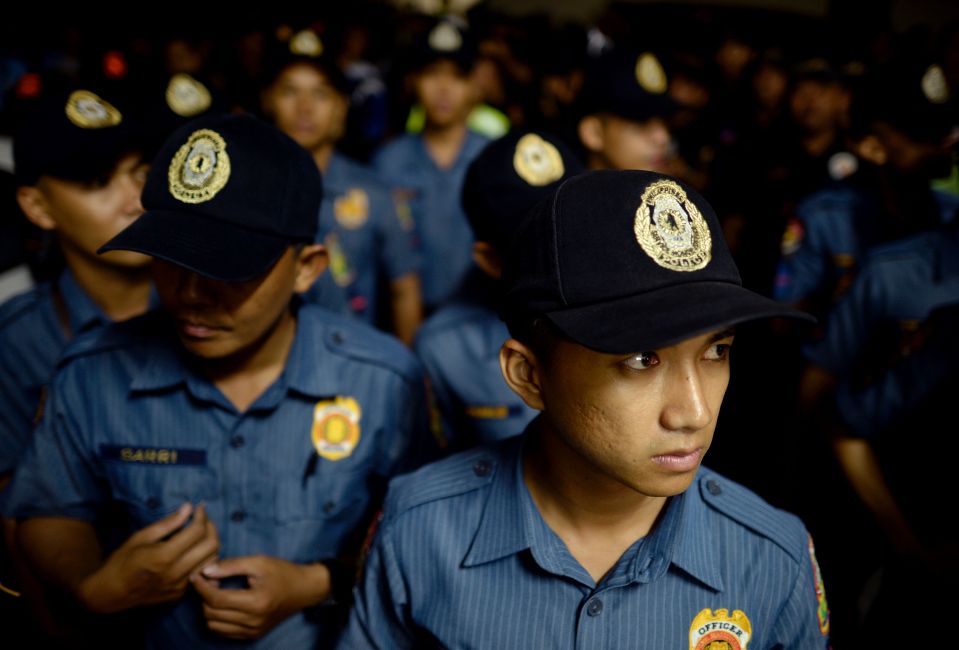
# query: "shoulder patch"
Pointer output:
{"type": "Point", "coordinates": [735, 502]}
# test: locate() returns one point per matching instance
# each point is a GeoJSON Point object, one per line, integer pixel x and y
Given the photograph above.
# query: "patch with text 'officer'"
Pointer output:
{"type": "Point", "coordinates": [186, 96]}
{"type": "Point", "coordinates": [719, 630]}
{"type": "Point", "coordinates": [537, 161]}
{"type": "Point", "coordinates": [650, 74]}
{"type": "Point", "coordinates": [200, 168]}
{"type": "Point", "coordinates": [336, 427]}
{"type": "Point", "coordinates": [671, 230]}
{"type": "Point", "coordinates": [88, 111]}
{"type": "Point", "coordinates": [153, 455]}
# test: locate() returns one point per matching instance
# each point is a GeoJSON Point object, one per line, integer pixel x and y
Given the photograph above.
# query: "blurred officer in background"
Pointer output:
{"type": "Point", "coordinates": [247, 438]}
{"type": "Point", "coordinates": [459, 344]}
{"type": "Point", "coordinates": [426, 170]}
{"type": "Point", "coordinates": [371, 254]}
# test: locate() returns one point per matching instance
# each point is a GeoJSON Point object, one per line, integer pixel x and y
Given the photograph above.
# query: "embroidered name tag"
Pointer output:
{"type": "Point", "coordinates": [153, 455]}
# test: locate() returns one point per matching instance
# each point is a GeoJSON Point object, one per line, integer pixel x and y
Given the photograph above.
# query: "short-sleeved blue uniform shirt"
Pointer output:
{"type": "Point", "coordinates": [296, 476]}
{"type": "Point", "coordinates": [367, 242]}
{"type": "Point", "coordinates": [459, 346]}
{"type": "Point", "coordinates": [463, 559]}
{"type": "Point", "coordinates": [432, 195]}
{"type": "Point", "coordinates": [829, 237]}
{"type": "Point", "coordinates": [34, 328]}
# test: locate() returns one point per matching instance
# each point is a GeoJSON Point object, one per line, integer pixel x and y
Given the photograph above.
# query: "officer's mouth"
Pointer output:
{"type": "Point", "coordinates": [197, 330]}
{"type": "Point", "coordinates": [681, 460]}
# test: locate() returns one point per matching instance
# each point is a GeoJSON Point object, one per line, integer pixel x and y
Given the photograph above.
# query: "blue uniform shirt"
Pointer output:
{"type": "Point", "coordinates": [365, 238]}
{"type": "Point", "coordinates": [463, 559]}
{"type": "Point", "coordinates": [459, 346]}
{"type": "Point", "coordinates": [297, 476]}
{"type": "Point", "coordinates": [34, 328]}
{"type": "Point", "coordinates": [433, 198]}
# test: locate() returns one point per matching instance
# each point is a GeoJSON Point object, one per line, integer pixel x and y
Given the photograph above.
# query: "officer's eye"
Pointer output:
{"type": "Point", "coordinates": [642, 361]}
{"type": "Point", "coordinates": [98, 183]}
{"type": "Point", "coordinates": [718, 351]}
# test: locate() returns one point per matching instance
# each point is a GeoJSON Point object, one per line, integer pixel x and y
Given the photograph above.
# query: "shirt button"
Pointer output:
{"type": "Point", "coordinates": [337, 338]}
{"type": "Point", "coordinates": [329, 506]}
{"type": "Point", "coordinates": [237, 441]}
{"type": "Point", "coordinates": [237, 516]}
{"type": "Point", "coordinates": [153, 503]}
{"type": "Point", "coordinates": [594, 607]}
{"type": "Point", "coordinates": [713, 488]}
{"type": "Point", "coordinates": [482, 467]}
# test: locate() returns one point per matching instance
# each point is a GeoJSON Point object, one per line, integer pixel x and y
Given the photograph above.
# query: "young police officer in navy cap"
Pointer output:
{"type": "Point", "coordinates": [459, 344]}
{"type": "Point", "coordinates": [247, 438]}
{"type": "Point", "coordinates": [598, 528]}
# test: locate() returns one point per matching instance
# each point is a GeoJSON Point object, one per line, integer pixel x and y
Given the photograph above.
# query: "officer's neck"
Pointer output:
{"type": "Point", "coordinates": [322, 155]}
{"type": "Point", "coordinates": [444, 142]}
{"type": "Point", "coordinates": [120, 292]}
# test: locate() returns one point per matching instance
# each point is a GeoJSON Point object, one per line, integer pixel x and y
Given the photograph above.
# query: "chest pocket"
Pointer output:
{"type": "Point", "coordinates": [328, 497]}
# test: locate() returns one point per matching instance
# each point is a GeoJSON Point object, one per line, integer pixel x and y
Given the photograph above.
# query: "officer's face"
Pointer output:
{"type": "Point", "coordinates": [236, 320]}
{"type": "Point", "coordinates": [643, 420]}
{"type": "Point", "coordinates": [86, 215]}
{"type": "Point", "coordinates": [817, 106]}
{"type": "Point", "coordinates": [446, 93]}
{"type": "Point", "coordinates": [306, 106]}
{"type": "Point", "coordinates": [627, 144]}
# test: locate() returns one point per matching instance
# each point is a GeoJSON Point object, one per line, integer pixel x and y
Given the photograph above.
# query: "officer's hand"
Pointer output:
{"type": "Point", "coordinates": [154, 564]}
{"type": "Point", "coordinates": [278, 589]}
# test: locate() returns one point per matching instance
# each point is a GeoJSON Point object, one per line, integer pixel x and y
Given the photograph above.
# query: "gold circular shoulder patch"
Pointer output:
{"type": "Point", "coordinates": [186, 96]}
{"type": "Point", "coordinates": [650, 74]}
{"type": "Point", "coordinates": [445, 38]}
{"type": "Point", "coordinates": [671, 230]}
{"type": "Point", "coordinates": [537, 161]}
{"type": "Point", "coordinates": [200, 168]}
{"type": "Point", "coordinates": [88, 111]}
{"type": "Point", "coordinates": [934, 85]}
{"type": "Point", "coordinates": [306, 43]}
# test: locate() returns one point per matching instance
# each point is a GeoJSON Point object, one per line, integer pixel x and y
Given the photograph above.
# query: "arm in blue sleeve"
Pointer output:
{"type": "Point", "coordinates": [803, 621]}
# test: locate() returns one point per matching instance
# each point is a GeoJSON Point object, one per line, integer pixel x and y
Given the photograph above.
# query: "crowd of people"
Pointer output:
{"type": "Point", "coordinates": [251, 275]}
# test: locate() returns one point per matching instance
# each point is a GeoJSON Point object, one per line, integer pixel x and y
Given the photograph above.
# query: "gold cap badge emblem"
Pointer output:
{"type": "Point", "coordinates": [88, 111]}
{"type": "Point", "coordinates": [336, 427]}
{"type": "Point", "coordinates": [934, 85]}
{"type": "Point", "coordinates": [186, 96]}
{"type": "Point", "coordinates": [306, 43]}
{"type": "Point", "coordinates": [200, 168]}
{"type": "Point", "coordinates": [537, 161]}
{"type": "Point", "coordinates": [650, 74]}
{"type": "Point", "coordinates": [671, 230]}
{"type": "Point", "coordinates": [719, 630]}
{"type": "Point", "coordinates": [445, 38]}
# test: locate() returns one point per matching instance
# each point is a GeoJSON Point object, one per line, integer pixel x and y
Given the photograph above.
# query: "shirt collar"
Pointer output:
{"type": "Point", "coordinates": [83, 314]}
{"type": "Point", "coordinates": [695, 550]}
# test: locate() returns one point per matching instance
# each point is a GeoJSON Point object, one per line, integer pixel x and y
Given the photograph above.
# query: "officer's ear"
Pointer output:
{"type": "Point", "coordinates": [591, 133]}
{"type": "Point", "coordinates": [487, 259]}
{"type": "Point", "coordinates": [871, 149]}
{"type": "Point", "coordinates": [521, 369]}
{"type": "Point", "coordinates": [311, 261]}
{"type": "Point", "coordinates": [35, 206]}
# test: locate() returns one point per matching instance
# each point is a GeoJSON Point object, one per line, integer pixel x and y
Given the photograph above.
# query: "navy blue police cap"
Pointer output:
{"type": "Point", "coordinates": [225, 197]}
{"type": "Point", "coordinates": [446, 39]}
{"type": "Point", "coordinates": [75, 133]}
{"type": "Point", "coordinates": [628, 83]}
{"type": "Point", "coordinates": [625, 261]}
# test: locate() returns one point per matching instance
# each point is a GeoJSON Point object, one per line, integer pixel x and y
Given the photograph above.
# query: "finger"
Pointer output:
{"type": "Point", "coordinates": [210, 592]}
{"type": "Point", "coordinates": [169, 524]}
{"type": "Point", "coordinates": [234, 566]}
{"type": "Point", "coordinates": [190, 535]}
{"type": "Point", "coordinates": [234, 616]}
{"type": "Point", "coordinates": [201, 554]}
{"type": "Point", "coordinates": [231, 630]}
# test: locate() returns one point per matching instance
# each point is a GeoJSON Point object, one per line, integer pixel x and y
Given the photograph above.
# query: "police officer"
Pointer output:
{"type": "Point", "coordinates": [598, 527]}
{"type": "Point", "coordinates": [459, 344]}
{"type": "Point", "coordinates": [246, 437]}
{"type": "Point", "coordinates": [371, 253]}
{"type": "Point", "coordinates": [426, 169]}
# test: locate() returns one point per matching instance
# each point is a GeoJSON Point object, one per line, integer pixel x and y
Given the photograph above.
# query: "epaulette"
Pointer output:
{"type": "Point", "coordinates": [732, 500]}
{"type": "Point", "coordinates": [133, 332]}
{"type": "Point", "coordinates": [21, 304]}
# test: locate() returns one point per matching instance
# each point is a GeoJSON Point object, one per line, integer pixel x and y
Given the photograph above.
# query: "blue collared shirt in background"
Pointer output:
{"type": "Point", "coordinates": [463, 559]}
{"type": "Point", "coordinates": [129, 423]}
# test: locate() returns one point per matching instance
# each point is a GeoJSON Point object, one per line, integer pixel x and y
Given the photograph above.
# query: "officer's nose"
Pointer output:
{"type": "Point", "coordinates": [192, 288]}
{"type": "Point", "coordinates": [685, 405]}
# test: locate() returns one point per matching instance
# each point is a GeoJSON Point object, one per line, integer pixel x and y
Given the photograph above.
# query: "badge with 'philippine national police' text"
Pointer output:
{"type": "Point", "coordinates": [720, 631]}
{"type": "Point", "coordinates": [537, 161]}
{"type": "Point", "coordinates": [671, 230]}
{"type": "Point", "coordinates": [200, 168]}
{"type": "Point", "coordinates": [352, 209]}
{"type": "Point", "coordinates": [88, 111]}
{"type": "Point", "coordinates": [186, 96]}
{"type": "Point", "coordinates": [336, 427]}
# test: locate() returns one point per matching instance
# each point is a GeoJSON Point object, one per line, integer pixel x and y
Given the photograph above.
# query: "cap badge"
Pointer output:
{"type": "Point", "coordinates": [671, 230]}
{"type": "Point", "coordinates": [200, 168]}
{"type": "Point", "coordinates": [352, 209]}
{"type": "Point", "coordinates": [934, 85]}
{"type": "Point", "coordinates": [710, 631]}
{"type": "Point", "coordinates": [650, 74]}
{"type": "Point", "coordinates": [88, 111]}
{"type": "Point", "coordinates": [445, 38]}
{"type": "Point", "coordinates": [306, 43]}
{"type": "Point", "coordinates": [537, 161]}
{"type": "Point", "coordinates": [186, 96]}
{"type": "Point", "coordinates": [336, 427]}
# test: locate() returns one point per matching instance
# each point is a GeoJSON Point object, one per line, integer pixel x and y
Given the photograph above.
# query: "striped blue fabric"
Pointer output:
{"type": "Point", "coordinates": [129, 423]}
{"type": "Point", "coordinates": [463, 559]}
